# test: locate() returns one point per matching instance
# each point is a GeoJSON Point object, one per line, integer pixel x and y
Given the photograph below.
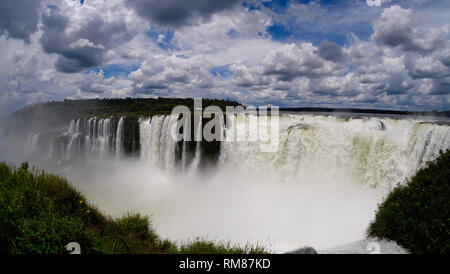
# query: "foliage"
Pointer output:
{"type": "Point", "coordinates": [203, 246]}
{"type": "Point", "coordinates": [41, 213]}
{"type": "Point", "coordinates": [417, 215]}
{"type": "Point", "coordinates": [56, 113]}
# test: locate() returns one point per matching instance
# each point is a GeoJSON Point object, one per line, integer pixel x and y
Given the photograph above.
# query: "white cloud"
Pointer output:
{"type": "Point", "coordinates": [405, 62]}
{"type": "Point", "coordinates": [395, 28]}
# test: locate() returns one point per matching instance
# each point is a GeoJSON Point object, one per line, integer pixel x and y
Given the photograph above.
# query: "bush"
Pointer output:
{"type": "Point", "coordinates": [42, 213]}
{"type": "Point", "coordinates": [204, 246]}
{"type": "Point", "coordinates": [138, 224]}
{"type": "Point", "coordinates": [417, 215]}
{"type": "Point", "coordinates": [200, 246]}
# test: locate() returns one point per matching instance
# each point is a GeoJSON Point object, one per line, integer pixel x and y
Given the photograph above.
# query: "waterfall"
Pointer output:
{"type": "Point", "coordinates": [34, 142]}
{"type": "Point", "coordinates": [74, 133]}
{"type": "Point", "coordinates": [51, 151]}
{"type": "Point", "coordinates": [92, 137]}
{"type": "Point", "coordinates": [372, 151]}
{"type": "Point", "coordinates": [72, 127]}
{"type": "Point", "coordinates": [151, 133]}
{"type": "Point", "coordinates": [157, 144]}
{"type": "Point", "coordinates": [229, 133]}
{"type": "Point", "coordinates": [198, 137]}
{"type": "Point", "coordinates": [120, 135]}
{"type": "Point", "coordinates": [332, 171]}
{"type": "Point", "coordinates": [155, 140]}
{"type": "Point", "coordinates": [163, 140]}
{"type": "Point", "coordinates": [89, 134]}
{"type": "Point", "coordinates": [425, 141]}
{"type": "Point", "coordinates": [106, 137]}
{"type": "Point", "coordinates": [186, 136]}
{"type": "Point", "coordinates": [145, 134]}
{"type": "Point", "coordinates": [169, 144]}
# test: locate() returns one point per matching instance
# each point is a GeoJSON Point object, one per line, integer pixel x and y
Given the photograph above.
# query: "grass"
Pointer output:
{"type": "Point", "coordinates": [417, 215]}
{"type": "Point", "coordinates": [41, 213]}
{"type": "Point", "coordinates": [204, 246]}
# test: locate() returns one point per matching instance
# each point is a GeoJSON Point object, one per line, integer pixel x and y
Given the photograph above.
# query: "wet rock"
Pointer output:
{"type": "Point", "coordinates": [303, 250]}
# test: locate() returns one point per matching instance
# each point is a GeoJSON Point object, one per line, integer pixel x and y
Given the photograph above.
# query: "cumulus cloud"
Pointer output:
{"type": "Point", "coordinates": [331, 51]}
{"type": "Point", "coordinates": [163, 74]}
{"type": "Point", "coordinates": [176, 13]}
{"type": "Point", "coordinates": [291, 61]}
{"type": "Point", "coordinates": [19, 18]}
{"type": "Point", "coordinates": [426, 67]}
{"type": "Point", "coordinates": [395, 28]}
{"type": "Point", "coordinates": [246, 77]}
{"type": "Point", "coordinates": [85, 47]}
{"type": "Point", "coordinates": [94, 82]}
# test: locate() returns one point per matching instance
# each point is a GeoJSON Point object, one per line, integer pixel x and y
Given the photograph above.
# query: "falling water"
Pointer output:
{"type": "Point", "coordinates": [320, 187]}
{"type": "Point", "coordinates": [145, 138]}
{"type": "Point", "coordinates": [120, 135]}
{"type": "Point", "coordinates": [370, 150]}
{"type": "Point", "coordinates": [198, 147]}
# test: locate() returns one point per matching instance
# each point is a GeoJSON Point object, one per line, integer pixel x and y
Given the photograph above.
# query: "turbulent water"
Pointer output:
{"type": "Point", "coordinates": [320, 187]}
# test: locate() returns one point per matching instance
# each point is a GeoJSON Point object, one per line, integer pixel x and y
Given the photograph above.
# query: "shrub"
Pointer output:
{"type": "Point", "coordinates": [204, 246]}
{"type": "Point", "coordinates": [140, 225]}
{"type": "Point", "coordinates": [417, 215]}
{"type": "Point", "coordinates": [42, 213]}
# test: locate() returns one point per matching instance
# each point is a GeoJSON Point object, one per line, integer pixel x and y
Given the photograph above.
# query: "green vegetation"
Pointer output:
{"type": "Point", "coordinates": [204, 246]}
{"type": "Point", "coordinates": [130, 107]}
{"type": "Point", "coordinates": [417, 215]}
{"type": "Point", "coordinates": [41, 213]}
{"type": "Point", "coordinates": [56, 113]}
{"type": "Point", "coordinates": [444, 113]}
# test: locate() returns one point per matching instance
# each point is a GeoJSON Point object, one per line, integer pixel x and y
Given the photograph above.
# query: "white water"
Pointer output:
{"type": "Point", "coordinates": [120, 135]}
{"type": "Point", "coordinates": [157, 148]}
{"type": "Point", "coordinates": [320, 188]}
{"type": "Point", "coordinates": [357, 149]}
{"type": "Point", "coordinates": [194, 165]}
{"type": "Point", "coordinates": [90, 138]}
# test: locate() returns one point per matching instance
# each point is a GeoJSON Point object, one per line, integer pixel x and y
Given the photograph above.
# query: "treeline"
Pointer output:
{"type": "Point", "coordinates": [57, 113]}
{"type": "Point", "coordinates": [372, 111]}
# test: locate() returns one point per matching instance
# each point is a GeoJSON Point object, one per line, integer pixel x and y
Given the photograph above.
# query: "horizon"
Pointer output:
{"type": "Point", "coordinates": [292, 108]}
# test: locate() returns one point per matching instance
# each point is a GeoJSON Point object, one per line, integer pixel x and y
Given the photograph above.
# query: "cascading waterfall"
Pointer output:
{"type": "Point", "coordinates": [186, 136]}
{"type": "Point", "coordinates": [155, 141]}
{"type": "Point", "coordinates": [88, 137]}
{"type": "Point", "coordinates": [157, 146]}
{"type": "Point", "coordinates": [51, 151]}
{"type": "Point", "coordinates": [75, 132]}
{"type": "Point", "coordinates": [169, 144]}
{"type": "Point", "coordinates": [145, 138]}
{"type": "Point", "coordinates": [167, 148]}
{"type": "Point", "coordinates": [198, 138]}
{"type": "Point", "coordinates": [34, 142]}
{"type": "Point", "coordinates": [120, 135]}
{"type": "Point", "coordinates": [163, 139]}
{"type": "Point", "coordinates": [373, 151]}
{"type": "Point", "coordinates": [319, 188]}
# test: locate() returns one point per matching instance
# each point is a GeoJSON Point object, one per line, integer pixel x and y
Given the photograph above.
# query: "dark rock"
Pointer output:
{"type": "Point", "coordinates": [303, 250]}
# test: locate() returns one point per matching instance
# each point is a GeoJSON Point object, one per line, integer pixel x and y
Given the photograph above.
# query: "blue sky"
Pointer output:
{"type": "Point", "coordinates": [395, 55]}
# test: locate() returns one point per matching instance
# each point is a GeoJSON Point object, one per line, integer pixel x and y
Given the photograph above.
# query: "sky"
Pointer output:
{"type": "Point", "coordinates": [384, 54]}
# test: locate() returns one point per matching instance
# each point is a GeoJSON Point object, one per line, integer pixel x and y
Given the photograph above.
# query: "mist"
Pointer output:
{"type": "Point", "coordinates": [320, 188]}
{"type": "Point", "coordinates": [240, 206]}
